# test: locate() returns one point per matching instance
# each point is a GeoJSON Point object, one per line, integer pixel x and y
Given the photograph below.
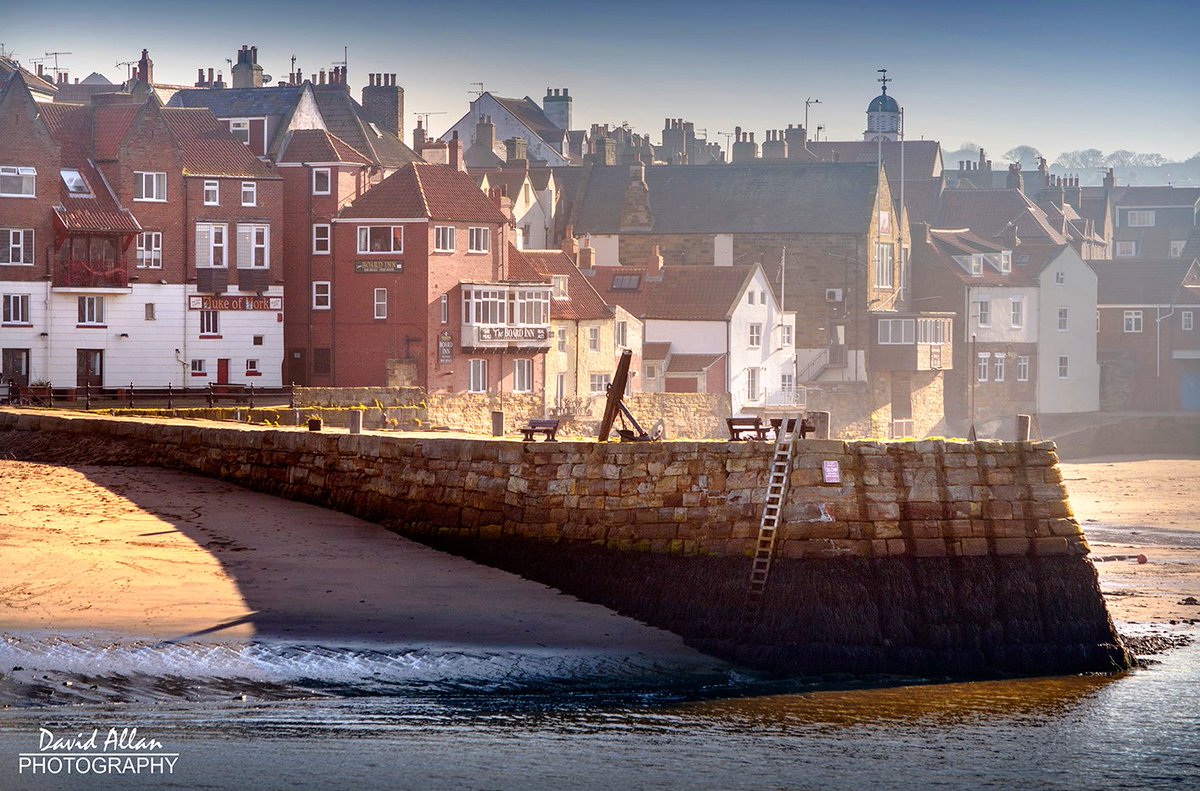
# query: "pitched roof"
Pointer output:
{"type": "Point", "coordinates": [989, 213]}
{"type": "Point", "coordinates": [242, 102]}
{"type": "Point", "coordinates": [656, 350]}
{"type": "Point", "coordinates": [752, 198]}
{"type": "Point", "coordinates": [922, 158]}
{"type": "Point", "coordinates": [208, 147]}
{"type": "Point", "coordinates": [692, 363]}
{"type": "Point", "coordinates": [1132, 197]}
{"type": "Point", "coordinates": [420, 189]}
{"type": "Point", "coordinates": [540, 178]}
{"type": "Point", "coordinates": [582, 301]}
{"type": "Point", "coordinates": [529, 113]}
{"type": "Point", "coordinates": [1140, 283]}
{"type": "Point", "coordinates": [344, 117]}
{"type": "Point", "coordinates": [318, 145]}
{"type": "Point", "coordinates": [9, 68]}
{"type": "Point", "coordinates": [1028, 260]}
{"type": "Point", "coordinates": [509, 180]}
{"type": "Point", "coordinates": [687, 293]}
{"type": "Point", "coordinates": [521, 269]}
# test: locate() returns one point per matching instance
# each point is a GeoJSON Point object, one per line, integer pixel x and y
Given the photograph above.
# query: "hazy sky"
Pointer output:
{"type": "Point", "coordinates": [1055, 75]}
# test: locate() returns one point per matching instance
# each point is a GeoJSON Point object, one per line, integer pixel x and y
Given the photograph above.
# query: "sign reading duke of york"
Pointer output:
{"type": "Point", "coordinates": [214, 302]}
{"type": "Point", "coordinates": [373, 267]}
{"type": "Point", "coordinates": [512, 333]}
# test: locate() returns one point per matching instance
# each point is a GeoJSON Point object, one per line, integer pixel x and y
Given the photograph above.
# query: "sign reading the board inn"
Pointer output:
{"type": "Point", "coordinates": [377, 267]}
{"type": "Point", "coordinates": [445, 347]}
{"type": "Point", "coordinates": [217, 302]}
{"type": "Point", "coordinates": [512, 333]}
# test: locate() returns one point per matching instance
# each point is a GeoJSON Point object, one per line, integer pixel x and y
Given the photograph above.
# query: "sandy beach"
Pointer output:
{"type": "Point", "coordinates": [160, 554]}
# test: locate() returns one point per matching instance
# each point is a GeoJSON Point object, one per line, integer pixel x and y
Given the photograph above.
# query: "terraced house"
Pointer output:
{"type": "Point", "coordinates": [141, 245]}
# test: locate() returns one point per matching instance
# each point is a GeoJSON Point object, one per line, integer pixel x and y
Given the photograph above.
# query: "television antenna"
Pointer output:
{"type": "Point", "coordinates": [477, 92]}
{"type": "Point", "coordinates": [55, 56]}
{"type": "Point", "coordinates": [128, 64]}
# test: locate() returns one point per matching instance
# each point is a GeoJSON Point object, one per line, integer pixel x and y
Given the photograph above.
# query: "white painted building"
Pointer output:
{"type": "Point", "coordinates": [1068, 367]}
{"type": "Point", "coordinates": [517, 118]}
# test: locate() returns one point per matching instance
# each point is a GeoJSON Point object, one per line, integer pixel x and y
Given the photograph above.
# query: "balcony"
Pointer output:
{"type": "Point", "coordinates": [911, 343]}
{"type": "Point", "coordinates": [78, 273]}
{"type": "Point", "coordinates": [506, 316]}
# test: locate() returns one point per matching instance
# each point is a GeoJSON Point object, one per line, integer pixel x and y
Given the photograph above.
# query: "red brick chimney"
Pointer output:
{"type": "Point", "coordinates": [655, 264]}
{"type": "Point", "coordinates": [570, 245]}
{"type": "Point", "coordinates": [146, 68]}
{"type": "Point", "coordinates": [456, 155]}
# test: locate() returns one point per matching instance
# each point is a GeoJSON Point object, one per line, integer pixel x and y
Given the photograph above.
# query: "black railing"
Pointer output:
{"type": "Point", "coordinates": [132, 397]}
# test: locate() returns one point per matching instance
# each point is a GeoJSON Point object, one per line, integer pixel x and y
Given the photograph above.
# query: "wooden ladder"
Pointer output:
{"type": "Point", "coordinates": [781, 463]}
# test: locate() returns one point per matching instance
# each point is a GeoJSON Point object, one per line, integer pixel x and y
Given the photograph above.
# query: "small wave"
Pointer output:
{"type": "Point", "coordinates": [54, 669]}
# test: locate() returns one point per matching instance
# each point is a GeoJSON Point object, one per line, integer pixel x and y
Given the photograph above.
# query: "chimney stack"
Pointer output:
{"type": "Point", "coordinates": [744, 147]}
{"type": "Point", "coordinates": [796, 137]}
{"type": "Point", "coordinates": [557, 107]}
{"type": "Point", "coordinates": [246, 71]}
{"type": "Point", "coordinates": [146, 68]}
{"type": "Point", "coordinates": [587, 258]}
{"type": "Point", "coordinates": [456, 154]}
{"type": "Point", "coordinates": [655, 264]}
{"type": "Point", "coordinates": [775, 147]}
{"type": "Point", "coordinates": [1110, 180]}
{"type": "Point", "coordinates": [570, 245]}
{"type": "Point", "coordinates": [383, 103]}
{"type": "Point", "coordinates": [1015, 179]}
{"type": "Point", "coordinates": [515, 150]}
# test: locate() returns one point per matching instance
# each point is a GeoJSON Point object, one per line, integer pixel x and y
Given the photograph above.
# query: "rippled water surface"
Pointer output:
{"type": "Point", "coordinates": [316, 717]}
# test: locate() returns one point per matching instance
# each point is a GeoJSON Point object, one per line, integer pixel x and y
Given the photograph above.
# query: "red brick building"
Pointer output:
{"type": "Point", "coordinates": [422, 292]}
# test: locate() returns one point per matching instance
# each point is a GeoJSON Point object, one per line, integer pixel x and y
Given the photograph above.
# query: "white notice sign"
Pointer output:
{"type": "Point", "coordinates": [831, 472]}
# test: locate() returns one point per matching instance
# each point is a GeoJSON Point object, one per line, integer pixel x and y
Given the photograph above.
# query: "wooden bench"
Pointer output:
{"type": "Point", "coordinates": [746, 428]}
{"type": "Point", "coordinates": [806, 426]}
{"type": "Point", "coordinates": [548, 427]}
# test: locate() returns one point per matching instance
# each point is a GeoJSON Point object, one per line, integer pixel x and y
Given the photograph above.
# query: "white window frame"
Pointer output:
{"type": "Point", "coordinates": [149, 250]}
{"type": "Point", "coordinates": [1176, 248]}
{"type": "Point", "coordinates": [1064, 366]}
{"type": "Point", "coordinates": [982, 361]}
{"type": "Point", "coordinates": [322, 238]}
{"type": "Point", "coordinates": [1064, 319]}
{"type": "Point", "coordinates": [477, 375]}
{"type": "Point", "coordinates": [158, 186]}
{"type": "Point", "coordinates": [381, 303]}
{"type": "Point", "coordinates": [90, 310]}
{"type": "Point", "coordinates": [252, 367]}
{"type": "Point", "coordinates": [1132, 321]}
{"type": "Point", "coordinates": [561, 332]}
{"type": "Point", "coordinates": [250, 188]}
{"type": "Point", "coordinates": [322, 295]}
{"type": "Point", "coordinates": [14, 243]}
{"type": "Point", "coordinates": [1017, 314]}
{"type": "Point", "coordinates": [364, 239]}
{"type": "Point", "coordinates": [443, 239]}
{"type": "Point", "coordinates": [239, 125]}
{"type": "Point", "coordinates": [523, 375]}
{"type": "Point", "coordinates": [753, 390]}
{"type": "Point", "coordinates": [211, 237]}
{"type": "Point", "coordinates": [445, 308]}
{"type": "Point", "coordinates": [199, 367]}
{"type": "Point", "coordinates": [983, 313]}
{"type": "Point", "coordinates": [621, 334]}
{"type": "Point", "coordinates": [16, 309]}
{"type": "Point", "coordinates": [27, 175]}
{"type": "Point", "coordinates": [998, 367]}
{"type": "Point", "coordinates": [883, 269]}
{"type": "Point", "coordinates": [749, 297]}
{"type": "Point", "coordinates": [254, 246]}
{"type": "Point", "coordinates": [1125, 248]}
{"type": "Point", "coordinates": [1140, 218]}
{"type": "Point", "coordinates": [785, 335]}
{"type": "Point", "coordinates": [896, 332]}
{"type": "Point", "coordinates": [210, 323]}
{"type": "Point", "coordinates": [754, 339]}
{"type": "Point", "coordinates": [599, 383]}
{"type": "Point", "coordinates": [75, 183]}
{"type": "Point", "coordinates": [787, 383]}
{"type": "Point", "coordinates": [1023, 368]}
{"type": "Point", "coordinates": [212, 192]}
{"type": "Point", "coordinates": [593, 339]}
{"type": "Point", "coordinates": [316, 172]}
{"type": "Point", "coordinates": [559, 285]}
{"type": "Point", "coordinates": [1187, 320]}
{"type": "Point", "coordinates": [976, 262]}
{"type": "Point", "coordinates": [479, 239]}
{"type": "Point", "coordinates": [1005, 262]}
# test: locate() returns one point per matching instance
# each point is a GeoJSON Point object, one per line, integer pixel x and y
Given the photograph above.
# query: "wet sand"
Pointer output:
{"type": "Point", "coordinates": [162, 554]}
{"type": "Point", "coordinates": [1131, 506]}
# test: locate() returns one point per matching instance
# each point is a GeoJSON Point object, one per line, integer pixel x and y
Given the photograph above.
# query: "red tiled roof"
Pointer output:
{"type": "Point", "coordinates": [687, 293]}
{"type": "Point", "coordinates": [656, 350]}
{"type": "Point", "coordinates": [420, 189]}
{"type": "Point", "coordinates": [582, 301]}
{"type": "Point", "coordinates": [692, 363]}
{"type": "Point", "coordinates": [208, 147]}
{"type": "Point", "coordinates": [109, 127]}
{"type": "Point", "coordinates": [318, 145]}
{"type": "Point", "coordinates": [521, 269]}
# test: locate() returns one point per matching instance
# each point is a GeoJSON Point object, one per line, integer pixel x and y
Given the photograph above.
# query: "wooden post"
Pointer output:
{"type": "Point", "coordinates": [251, 395]}
{"type": "Point", "coordinates": [50, 392]}
{"type": "Point", "coordinates": [210, 395]}
{"type": "Point", "coordinates": [87, 396]}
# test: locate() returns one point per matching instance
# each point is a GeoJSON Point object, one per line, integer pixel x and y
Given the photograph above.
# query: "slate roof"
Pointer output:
{"type": "Point", "coordinates": [922, 158]}
{"type": "Point", "coordinates": [9, 68]}
{"type": "Point", "coordinates": [344, 118]}
{"type": "Point", "coordinates": [540, 178]}
{"type": "Point", "coordinates": [687, 293]}
{"type": "Point", "coordinates": [318, 145]}
{"type": "Point", "coordinates": [1132, 197]}
{"type": "Point", "coordinates": [1121, 282]}
{"type": "Point", "coordinates": [510, 180]}
{"type": "Point", "coordinates": [755, 198]}
{"type": "Point", "coordinates": [582, 301]}
{"type": "Point", "coordinates": [242, 102]}
{"type": "Point", "coordinates": [419, 189]}
{"type": "Point", "coordinates": [528, 112]}
{"type": "Point", "coordinates": [208, 147]}
{"type": "Point", "coordinates": [691, 363]}
{"type": "Point", "coordinates": [1028, 260]}
{"type": "Point", "coordinates": [989, 212]}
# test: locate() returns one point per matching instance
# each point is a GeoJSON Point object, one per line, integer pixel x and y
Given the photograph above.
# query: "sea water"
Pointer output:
{"type": "Point", "coordinates": [308, 716]}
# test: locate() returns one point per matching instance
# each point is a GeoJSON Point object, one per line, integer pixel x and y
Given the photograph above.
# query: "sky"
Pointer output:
{"type": "Point", "coordinates": [1055, 74]}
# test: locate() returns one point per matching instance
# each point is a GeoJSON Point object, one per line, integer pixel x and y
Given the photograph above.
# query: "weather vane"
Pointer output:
{"type": "Point", "coordinates": [884, 79]}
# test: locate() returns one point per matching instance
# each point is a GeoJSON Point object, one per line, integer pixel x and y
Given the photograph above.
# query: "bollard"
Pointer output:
{"type": "Point", "coordinates": [356, 418]}
{"type": "Point", "coordinates": [1023, 428]}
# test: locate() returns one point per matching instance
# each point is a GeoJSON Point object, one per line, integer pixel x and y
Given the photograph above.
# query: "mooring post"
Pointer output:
{"type": "Point", "coordinates": [1023, 428]}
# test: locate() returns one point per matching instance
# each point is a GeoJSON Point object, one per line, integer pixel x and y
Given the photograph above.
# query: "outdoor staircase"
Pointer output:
{"type": "Point", "coordinates": [781, 464]}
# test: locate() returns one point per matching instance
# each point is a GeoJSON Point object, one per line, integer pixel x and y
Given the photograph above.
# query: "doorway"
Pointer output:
{"type": "Point", "coordinates": [223, 371]}
{"type": "Point", "coordinates": [15, 364]}
{"type": "Point", "coordinates": [89, 367]}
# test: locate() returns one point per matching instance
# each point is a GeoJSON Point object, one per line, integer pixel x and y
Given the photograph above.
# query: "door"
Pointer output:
{"type": "Point", "coordinates": [296, 373]}
{"type": "Point", "coordinates": [15, 364]}
{"type": "Point", "coordinates": [223, 371]}
{"type": "Point", "coordinates": [1189, 392]}
{"type": "Point", "coordinates": [89, 368]}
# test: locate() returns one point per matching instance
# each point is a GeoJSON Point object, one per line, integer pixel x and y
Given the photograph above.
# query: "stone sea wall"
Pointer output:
{"type": "Point", "coordinates": [927, 557]}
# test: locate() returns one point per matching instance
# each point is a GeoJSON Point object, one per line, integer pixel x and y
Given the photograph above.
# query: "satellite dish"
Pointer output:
{"type": "Point", "coordinates": [267, 78]}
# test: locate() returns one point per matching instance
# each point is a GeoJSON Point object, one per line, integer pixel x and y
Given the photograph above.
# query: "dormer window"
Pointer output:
{"type": "Point", "coordinates": [240, 128]}
{"type": "Point", "coordinates": [1006, 261]}
{"type": "Point", "coordinates": [977, 265]}
{"type": "Point", "coordinates": [558, 286]}
{"type": "Point", "coordinates": [75, 183]}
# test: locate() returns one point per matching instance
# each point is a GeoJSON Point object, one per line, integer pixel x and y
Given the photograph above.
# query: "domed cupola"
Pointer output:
{"type": "Point", "coordinates": [883, 115]}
